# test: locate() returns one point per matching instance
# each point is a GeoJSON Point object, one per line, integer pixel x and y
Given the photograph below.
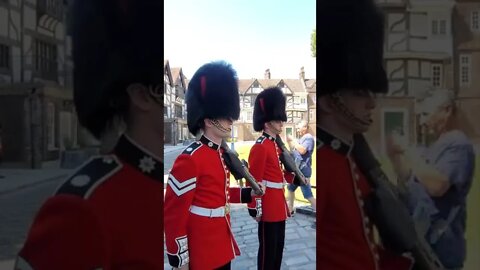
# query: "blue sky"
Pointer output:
{"type": "Point", "coordinates": [252, 35]}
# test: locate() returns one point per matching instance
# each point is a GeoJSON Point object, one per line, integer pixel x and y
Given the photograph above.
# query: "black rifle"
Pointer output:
{"type": "Point", "coordinates": [394, 223]}
{"type": "Point", "coordinates": [239, 168]}
{"type": "Point", "coordinates": [289, 164]}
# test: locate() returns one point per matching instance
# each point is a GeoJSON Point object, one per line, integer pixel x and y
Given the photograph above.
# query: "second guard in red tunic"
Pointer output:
{"type": "Point", "coordinates": [271, 210]}
{"type": "Point", "coordinates": [198, 196]}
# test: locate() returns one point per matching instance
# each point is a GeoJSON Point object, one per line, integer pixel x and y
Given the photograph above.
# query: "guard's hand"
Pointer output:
{"type": "Point", "coordinates": [262, 187]}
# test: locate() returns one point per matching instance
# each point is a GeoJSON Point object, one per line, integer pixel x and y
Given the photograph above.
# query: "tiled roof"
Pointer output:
{"type": "Point", "coordinates": [268, 82]}
{"type": "Point", "coordinates": [175, 72]}
{"type": "Point", "coordinates": [244, 84]}
{"type": "Point", "coordinates": [310, 83]}
{"type": "Point", "coordinates": [295, 85]}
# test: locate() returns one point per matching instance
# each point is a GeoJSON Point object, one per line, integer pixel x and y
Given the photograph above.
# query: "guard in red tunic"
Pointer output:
{"type": "Point", "coordinates": [271, 209]}
{"type": "Point", "coordinates": [109, 214]}
{"type": "Point", "coordinates": [351, 72]}
{"type": "Point", "coordinates": [197, 201]}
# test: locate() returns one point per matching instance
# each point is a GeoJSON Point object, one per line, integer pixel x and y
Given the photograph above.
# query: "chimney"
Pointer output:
{"type": "Point", "coordinates": [302, 73]}
{"type": "Point", "coordinates": [267, 74]}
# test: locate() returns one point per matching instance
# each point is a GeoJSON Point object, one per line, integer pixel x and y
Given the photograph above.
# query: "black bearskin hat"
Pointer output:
{"type": "Point", "coordinates": [212, 93]}
{"type": "Point", "coordinates": [269, 106]}
{"type": "Point", "coordinates": [350, 46]}
{"type": "Point", "coordinates": [115, 43]}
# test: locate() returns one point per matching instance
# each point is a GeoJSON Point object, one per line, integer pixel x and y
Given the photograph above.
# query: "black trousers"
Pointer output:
{"type": "Point", "coordinates": [271, 236]}
{"type": "Point", "coordinates": [225, 267]}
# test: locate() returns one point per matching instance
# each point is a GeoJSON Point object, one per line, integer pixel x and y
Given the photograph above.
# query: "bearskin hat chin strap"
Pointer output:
{"type": "Point", "coordinates": [219, 126]}
{"type": "Point", "coordinates": [340, 106]}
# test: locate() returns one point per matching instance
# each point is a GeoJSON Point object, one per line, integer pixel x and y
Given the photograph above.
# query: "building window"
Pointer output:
{"type": "Point", "coordinates": [465, 70]}
{"type": "Point", "coordinates": [256, 89]}
{"type": "Point", "coordinates": [443, 27]}
{"type": "Point", "coordinates": [252, 100]}
{"type": "Point", "coordinates": [249, 116]}
{"type": "Point", "coordinates": [4, 56]}
{"type": "Point", "coordinates": [439, 27]}
{"type": "Point", "coordinates": [311, 116]}
{"type": "Point", "coordinates": [246, 102]}
{"type": "Point", "coordinates": [168, 112]}
{"type": "Point", "coordinates": [178, 111]}
{"type": "Point", "coordinates": [74, 130]}
{"type": "Point", "coordinates": [474, 23]}
{"type": "Point", "coordinates": [50, 126]}
{"type": "Point", "coordinates": [53, 8]}
{"type": "Point", "coordinates": [46, 60]}
{"type": "Point", "coordinates": [436, 76]}
{"type": "Point", "coordinates": [302, 100]}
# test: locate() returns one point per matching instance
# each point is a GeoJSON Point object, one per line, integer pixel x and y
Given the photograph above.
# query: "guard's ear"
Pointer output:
{"type": "Point", "coordinates": [326, 104]}
{"type": "Point", "coordinates": [139, 96]}
{"type": "Point", "coordinates": [208, 122]}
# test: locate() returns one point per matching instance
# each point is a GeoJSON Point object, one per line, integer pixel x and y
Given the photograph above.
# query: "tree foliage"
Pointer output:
{"type": "Point", "coordinates": [313, 43]}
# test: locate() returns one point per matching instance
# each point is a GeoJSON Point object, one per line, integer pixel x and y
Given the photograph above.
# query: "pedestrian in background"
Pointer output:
{"type": "Point", "coordinates": [302, 152]}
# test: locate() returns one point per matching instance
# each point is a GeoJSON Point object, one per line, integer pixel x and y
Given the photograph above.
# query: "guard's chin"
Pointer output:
{"type": "Point", "coordinates": [361, 127]}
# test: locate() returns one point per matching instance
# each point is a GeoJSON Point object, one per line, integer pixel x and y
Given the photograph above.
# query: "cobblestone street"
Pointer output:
{"type": "Point", "coordinates": [300, 241]}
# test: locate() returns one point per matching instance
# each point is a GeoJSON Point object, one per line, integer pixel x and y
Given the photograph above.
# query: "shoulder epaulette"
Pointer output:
{"type": "Point", "coordinates": [90, 175]}
{"type": "Point", "coordinates": [192, 148]}
{"type": "Point", "coordinates": [260, 139]}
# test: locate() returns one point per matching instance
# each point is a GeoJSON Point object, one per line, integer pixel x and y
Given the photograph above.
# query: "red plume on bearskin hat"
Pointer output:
{"type": "Point", "coordinates": [212, 93]}
{"type": "Point", "coordinates": [115, 43]}
{"type": "Point", "coordinates": [269, 106]}
{"type": "Point", "coordinates": [350, 46]}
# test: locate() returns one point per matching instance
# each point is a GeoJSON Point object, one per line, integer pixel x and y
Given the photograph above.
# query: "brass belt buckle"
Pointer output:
{"type": "Point", "coordinates": [227, 209]}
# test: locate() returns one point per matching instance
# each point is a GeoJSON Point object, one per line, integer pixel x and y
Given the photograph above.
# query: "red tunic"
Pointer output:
{"type": "Point", "coordinates": [199, 178]}
{"type": "Point", "coordinates": [264, 165]}
{"type": "Point", "coordinates": [107, 215]}
{"type": "Point", "coordinates": [345, 237]}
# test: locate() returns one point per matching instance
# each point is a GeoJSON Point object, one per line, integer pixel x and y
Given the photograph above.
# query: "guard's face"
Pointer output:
{"type": "Point", "coordinates": [357, 109]}
{"type": "Point", "coordinates": [275, 126]}
{"type": "Point", "coordinates": [222, 127]}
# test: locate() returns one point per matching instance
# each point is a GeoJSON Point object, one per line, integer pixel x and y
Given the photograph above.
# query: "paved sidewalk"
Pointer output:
{"type": "Point", "coordinates": [7, 265]}
{"type": "Point", "coordinates": [170, 148]}
{"type": "Point", "coordinates": [300, 241]}
{"type": "Point", "coordinates": [16, 179]}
